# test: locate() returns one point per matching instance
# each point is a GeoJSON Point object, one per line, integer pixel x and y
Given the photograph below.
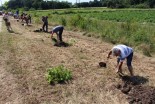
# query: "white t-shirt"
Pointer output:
{"type": "Point", "coordinates": [125, 51]}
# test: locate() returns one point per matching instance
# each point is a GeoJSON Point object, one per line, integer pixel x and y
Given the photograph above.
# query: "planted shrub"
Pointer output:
{"type": "Point", "coordinates": [58, 74]}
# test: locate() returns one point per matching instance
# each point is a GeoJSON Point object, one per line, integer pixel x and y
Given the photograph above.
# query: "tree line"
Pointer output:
{"type": "Point", "coordinates": [45, 4]}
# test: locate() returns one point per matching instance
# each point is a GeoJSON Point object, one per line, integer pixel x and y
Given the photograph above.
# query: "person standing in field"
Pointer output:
{"type": "Point", "coordinates": [122, 52]}
{"type": "Point", "coordinates": [7, 21]}
{"type": "Point", "coordinates": [45, 23]}
{"type": "Point", "coordinates": [58, 30]}
{"type": "Point", "coordinates": [27, 19]}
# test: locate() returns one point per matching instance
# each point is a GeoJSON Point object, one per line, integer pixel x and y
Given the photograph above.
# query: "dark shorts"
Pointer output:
{"type": "Point", "coordinates": [129, 59]}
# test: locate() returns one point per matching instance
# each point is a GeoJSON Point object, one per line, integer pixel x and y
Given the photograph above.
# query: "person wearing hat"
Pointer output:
{"type": "Point", "coordinates": [122, 52]}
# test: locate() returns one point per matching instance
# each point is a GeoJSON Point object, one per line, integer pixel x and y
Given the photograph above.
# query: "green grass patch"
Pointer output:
{"type": "Point", "coordinates": [132, 27]}
{"type": "Point", "coordinates": [58, 74]}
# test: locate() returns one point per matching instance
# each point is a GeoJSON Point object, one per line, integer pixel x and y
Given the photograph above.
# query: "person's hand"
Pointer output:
{"type": "Point", "coordinates": [108, 57]}
{"type": "Point", "coordinates": [51, 34]}
{"type": "Point", "coordinates": [117, 70]}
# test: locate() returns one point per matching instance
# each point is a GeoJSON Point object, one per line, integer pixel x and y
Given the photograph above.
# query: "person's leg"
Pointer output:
{"type": "Point", "coordinates": [129, 60]}
{"type": "Point", "coordinates": [9, 26]}
{"type": "Point", "coordinates": [58, 37]}
{"type": "Point", "coordinates": [43, 27]}
{"type": "Point", "coordinates": [58, 40]}
{"type": "Point", "coordinates": [46, 27]}
{"type": "Point", "coordinates": [27, 21]}
{"type": "Point", "coordinates": [130, 68]}
{"type": "Point", "coordinates": [7, 23]}
{"type": "Point", "coordinates": [30, 20]}
{"type": "Point", "coordinates": [60, 34]}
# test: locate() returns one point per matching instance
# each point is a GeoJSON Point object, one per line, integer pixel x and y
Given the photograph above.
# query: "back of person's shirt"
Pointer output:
{"type": "Point", "coordinates": [57, 28]}
{"type": "Point", "coordinates": [45, 19]}
{"type": "Point", "coordinates": [125, 51]}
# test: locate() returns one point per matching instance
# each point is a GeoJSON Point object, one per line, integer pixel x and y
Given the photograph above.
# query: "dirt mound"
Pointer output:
{"type": "Point", "coordinates": [142, 95]}
{"type": "Point", "coordinates": [137, 93]}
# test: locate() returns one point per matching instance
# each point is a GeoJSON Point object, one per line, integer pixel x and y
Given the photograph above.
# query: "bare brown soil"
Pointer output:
{"type": "Point", "coordinates": [136, 92]}
{"type": "Point", "coordinates": [25, 56]}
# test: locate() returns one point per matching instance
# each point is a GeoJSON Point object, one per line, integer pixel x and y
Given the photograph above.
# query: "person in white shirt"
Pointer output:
{"type": "Point", "coordinates": [122, 52]}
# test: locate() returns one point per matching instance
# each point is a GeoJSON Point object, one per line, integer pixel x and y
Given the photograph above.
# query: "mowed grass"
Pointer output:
{"type": "Point", "coordinates": [133, 27]}
{"type": "Point", "coordinates": [27, 60]}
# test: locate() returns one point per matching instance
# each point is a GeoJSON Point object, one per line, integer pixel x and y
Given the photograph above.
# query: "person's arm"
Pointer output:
{"type": "Point", "coordinates": [119, 66]}
{"type": "Point", "coordinates": [109, 54]}
{"type": "Point", "coordinates": [52, 34]}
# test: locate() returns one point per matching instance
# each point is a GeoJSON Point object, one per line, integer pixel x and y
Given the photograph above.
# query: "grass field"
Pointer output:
{"type": "Point", "coordinates": [27, 56]}
{"type": "Point", "coordinates": [133, 27]}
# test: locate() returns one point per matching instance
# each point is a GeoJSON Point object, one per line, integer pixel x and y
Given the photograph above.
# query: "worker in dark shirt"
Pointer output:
{"type": "Point", "coordinates": [58, 30]}
{"type": "Point", "coordinates": [45, 23]}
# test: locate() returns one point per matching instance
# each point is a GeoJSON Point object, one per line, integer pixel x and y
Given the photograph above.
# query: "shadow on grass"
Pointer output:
{"type": "Point", "coordinates": [11, 31]}
{"type": "Point", "coordinates": [135, 80]}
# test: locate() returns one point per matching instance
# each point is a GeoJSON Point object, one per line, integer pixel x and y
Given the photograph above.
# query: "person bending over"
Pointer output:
{"type": "Point", "coordinates": [122, 52]}
{"type": "Point", "coordinates": [58, 30]}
